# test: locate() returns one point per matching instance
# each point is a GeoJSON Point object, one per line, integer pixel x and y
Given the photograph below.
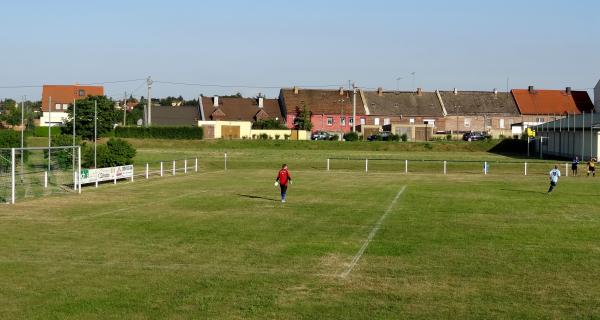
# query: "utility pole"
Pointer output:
{"type": "Point", "coordinates": [125, 109]}
{"type": "Point", "coordinates": [22, 134]}
{"type": "Point", "coordinates": [149, 119]}
{"type": "Point", "coordinates": [49, 130]}
{"type": "Point", "coordinates": [74, 126]}
{"type": "Point", "coordinates": [354, 107]}
{"type": "Point", "coordinates": [95, 130]}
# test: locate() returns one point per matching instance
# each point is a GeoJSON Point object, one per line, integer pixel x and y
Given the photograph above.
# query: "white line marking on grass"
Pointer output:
{"type": "Point", "coordinates": [372, 234]}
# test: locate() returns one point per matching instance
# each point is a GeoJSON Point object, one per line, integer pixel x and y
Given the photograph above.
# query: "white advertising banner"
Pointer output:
{"type": "Point", "coordinates": [106, 174]}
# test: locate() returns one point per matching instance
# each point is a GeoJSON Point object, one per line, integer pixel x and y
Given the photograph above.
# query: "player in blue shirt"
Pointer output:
{"type": "Point", "coordinates": [554, 175]}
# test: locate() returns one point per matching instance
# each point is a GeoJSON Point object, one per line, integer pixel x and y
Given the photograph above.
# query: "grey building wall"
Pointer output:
{"type": "Point", "coordinates": [568, 144]}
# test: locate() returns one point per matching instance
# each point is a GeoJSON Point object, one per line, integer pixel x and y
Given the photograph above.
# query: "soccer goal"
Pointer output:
{"type": "Point", "coordinates": [39, 171]}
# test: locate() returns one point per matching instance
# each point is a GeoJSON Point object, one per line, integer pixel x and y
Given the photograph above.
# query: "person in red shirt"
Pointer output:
{"type": "Point", "coordinates": [283, 178]}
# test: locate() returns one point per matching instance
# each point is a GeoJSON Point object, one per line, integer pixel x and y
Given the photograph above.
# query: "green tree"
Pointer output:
{"type": "Point", "coordinates": [116, 152]}
{"type": "Point", "coordinates": [302, 121]}
{"type": "Point", "coordinates": [108, 116]}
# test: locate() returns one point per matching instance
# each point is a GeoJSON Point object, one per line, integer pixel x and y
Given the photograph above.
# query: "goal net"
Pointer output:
{"type": "Point", "coordinates": [38, 171]}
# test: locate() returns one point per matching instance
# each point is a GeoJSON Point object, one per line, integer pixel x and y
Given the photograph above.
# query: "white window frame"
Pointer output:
{"type": "Point", "coordinates": [376, 121]}
{"type": "Point", "coordinates": [467, 122]}
{"type": "Point", "coordinates": [386, 121]}
{"type": "Point", "coordinates": [501, 123]}
{"type": "Point", "coordinates": [411, 120]}
{"type": "Point", "coordinates": [343, 121]}
{"type": "Point", "coordinates": [351, 121]}
{"type": "Point", "coordinates": [363, 121]}
{"type": "Point", "coordinates": [330, 121]}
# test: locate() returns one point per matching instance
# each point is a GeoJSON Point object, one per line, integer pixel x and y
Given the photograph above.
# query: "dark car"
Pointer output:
{"type": "Point", "coordinates": [320, 135]}
{"type": "Point", "coordinates": [475, 136]}
{"type": "Point", "coordinates": [382, 136]}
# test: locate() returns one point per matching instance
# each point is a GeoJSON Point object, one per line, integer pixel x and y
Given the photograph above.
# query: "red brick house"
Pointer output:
{"type": "Point", "coordinates": [239, 109]}
{"type": "Point", "coordinates": [331, 110]}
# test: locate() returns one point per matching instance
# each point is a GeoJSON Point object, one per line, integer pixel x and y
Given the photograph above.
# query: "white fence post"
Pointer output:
{"type": "Point", "coordinates": [196, 165]}
{"type": "Point", "coordinates": [185, 166]}
{"type": "Point", "coordinates": [147, 168]}
{"type": "Point", "coordinates": [96, 178]}
{"type": "Point", "coordinates": [132, 173]}
{"type": "Point", "coordinates": [173, 167]}
{"type": "Point", "coordinates": [225, 161]}
{"type": "Point", "coordinates": [13, 168]}
{"type": "Point", "coordinates": [46, 180]}
{"type": "Point", "coordinates": [366, 165]}
{"type": "Point", "coordinates": [406, 166]}
{"type": "Point", "coordinates": [485, 168]}
{"type": "Point", "coordinates": [327, 164]}
{"type": "Point", "coordinates": [161, 168]}
{"type": "Point", "coordinates": [525, 168]}
{"type": "Point", "coordinates": [79, 168]}
{"type": "Point", "coordinates": [445, 167]}
{"type": "Point", "coordinates": [566, 169]}
{"type": "Point", "coordinates": [115, 179]}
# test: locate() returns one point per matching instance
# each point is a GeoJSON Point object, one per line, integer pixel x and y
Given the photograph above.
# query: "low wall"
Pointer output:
{"type": "Point", "coordinates": [280, 134]}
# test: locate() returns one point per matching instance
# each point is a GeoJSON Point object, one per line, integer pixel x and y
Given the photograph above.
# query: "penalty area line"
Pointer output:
{"type": "Point", "coordinates": [372, 234]}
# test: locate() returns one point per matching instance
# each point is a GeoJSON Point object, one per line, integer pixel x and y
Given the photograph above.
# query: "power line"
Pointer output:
{"type": "Point", "coordinates": [81, 84]}
{"type": "Point", "coordinates": [239, 86]}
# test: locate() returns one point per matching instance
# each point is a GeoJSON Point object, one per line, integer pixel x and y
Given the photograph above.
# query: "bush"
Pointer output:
{"type": "Point", "coordinates": [404, 137]}
{"type": "Point", "coordinates": [351, 136]}
{"type": "Point", "coordinates": [116, 152]}
{"type": "Point", "coordinates": [334, 137]}
{"type": "Point", "coordinates": [394, 137]}
{"type": "Point", "coordinates": [64, 158]}
{"type": "Point", "coordinates": [263, 136]}
{"type": "Point", "coordinates": [43, 131]}
{"type": "Point", "coordinates": [182, 133]}
{"type": "Point", "coordinates": [449, 137]}
{"type": "Point", "coordinates": [9, 139]}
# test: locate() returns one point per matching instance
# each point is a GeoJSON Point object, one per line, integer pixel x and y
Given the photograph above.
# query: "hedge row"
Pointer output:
{"type": "Point", "coordinates": [182, 133]}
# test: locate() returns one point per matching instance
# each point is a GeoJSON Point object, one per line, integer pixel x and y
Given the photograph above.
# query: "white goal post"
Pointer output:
{"type": "Point", "coordinates": [46, 165]}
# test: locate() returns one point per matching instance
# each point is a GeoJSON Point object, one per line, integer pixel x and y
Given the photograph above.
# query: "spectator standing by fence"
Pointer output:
{"type": "Point", "coordinates": [574, 166]}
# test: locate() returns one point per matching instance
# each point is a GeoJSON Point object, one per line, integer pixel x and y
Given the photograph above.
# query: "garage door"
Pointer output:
{"type": "Point", "coordinates": [230, 132]}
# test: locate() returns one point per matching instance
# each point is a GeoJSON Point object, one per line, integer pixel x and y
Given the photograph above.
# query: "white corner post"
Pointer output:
{"type": "Point", "coordinates": [161, 168]}
{"type": "Point", "coordinates": [525, 168]}
{"type": "Point", "coordinates": [366, 165]}
{"type": "Point", "coordinates": [147, 168]}
{"type": "Point", "coordinates": [327, 164]}
{"type": "Point", "coordinates": [405, 166]}
{"type": "Point", "coordinates": [445, 167]}
{"type": "Point", "coordinates": [173, 167]}
{"type": "Point", "coordinates": [13, 176]}
{"type": "Point", "coordinates": [196, 165]}
{"type": "Point", "coordinates": [185, 166]}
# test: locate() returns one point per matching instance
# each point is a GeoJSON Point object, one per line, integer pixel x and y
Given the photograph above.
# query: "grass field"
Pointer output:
{"type": "Point", "coordinates": [219, 245]}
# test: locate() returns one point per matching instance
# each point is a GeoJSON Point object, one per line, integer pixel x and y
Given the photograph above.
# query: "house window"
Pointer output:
{"type": "Point", "coordinates": [488, 123]}
{"type": "Point", "coordinates": [65, 106]}
{"type": "Point", "coordinates": [351, 121]}
{"type": "Point", "coordinates": [363, 121]}
{"type": "Point", "coordinates": [386, 121]}
{"type": "Point", "coordinates": [467, 123]}
{"type": "Point", "coordinates": [411, 120]}
{"type": "Point", "coordinates": [539, 119]}
{"type": "Point", "coordinates": [57, 106]}
{"type": "Point", "coordinates": [376, 121]}
{"type": "Point", "coordinates": [343, 121]}
{"type": "Point", "coordinates": [329, 121]}
{"type": "Point", "coordinates": [81, 93]}
{"type": "Point", "coordinates": [501, 123]}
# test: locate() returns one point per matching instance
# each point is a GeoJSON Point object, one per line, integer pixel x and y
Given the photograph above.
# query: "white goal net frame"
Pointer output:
{"type": "Point", "coordinates": [13, 166]}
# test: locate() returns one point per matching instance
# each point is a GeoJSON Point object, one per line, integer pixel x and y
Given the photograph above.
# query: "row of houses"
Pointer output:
{"type": "Point", "coordinates": [499, 113]}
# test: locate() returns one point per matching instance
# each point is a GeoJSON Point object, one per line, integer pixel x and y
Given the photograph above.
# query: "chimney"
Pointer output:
{"type": "Point", "coordinates": [455, 91]}
{"type": "Point", "coordinates": [530, 89]}
{"type": "Point", "coordinates": [419, 92]}
{"type": "Point", "coordinates": [568, 90]}
{"type": "Point", "coordinates": [296, 90]}
{"type": "Point", "coordinates": [261, 102]}
{"type": "Point", "coordinates": [215, 101]}
{"type": "Point", "coordinates": [380, 91]}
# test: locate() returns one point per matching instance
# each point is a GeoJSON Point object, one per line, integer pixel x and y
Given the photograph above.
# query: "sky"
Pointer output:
{"type": "Point", "coordinates": [468, 45]}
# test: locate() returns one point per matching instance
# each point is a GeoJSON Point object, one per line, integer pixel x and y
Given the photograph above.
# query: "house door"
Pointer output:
{"type": "Point", "coordinates": [230, 132]}
{"type": "Point", "coordinates": [294, 134]}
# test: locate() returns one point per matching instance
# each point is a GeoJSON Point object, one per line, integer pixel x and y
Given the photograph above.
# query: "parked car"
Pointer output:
{"type": "Point", "coordinates": [382, 136]}
{"type": "Point", "coordinates": [320, 135]}
{"type": "Point", "coordinates": [475, 136]}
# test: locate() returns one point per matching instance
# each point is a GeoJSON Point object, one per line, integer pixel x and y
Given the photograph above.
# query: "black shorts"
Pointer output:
{"type": "Point", "coordinates": [592, 169]}
{"type": "Point", "coordinates": [573, 167]}
{"type": "Point", "coordinates": [283, 188]}
{"type": "Point", "coordinates": [552, 183]}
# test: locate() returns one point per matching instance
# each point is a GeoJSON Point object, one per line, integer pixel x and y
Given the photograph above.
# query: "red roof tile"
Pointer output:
{"type": "Point", "coordinates": [545, 102]}
{"type": "Point", "coordinates": [65, 94]}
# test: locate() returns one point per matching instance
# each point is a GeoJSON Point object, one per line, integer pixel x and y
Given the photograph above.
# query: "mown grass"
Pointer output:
{"type": "Point", "coordinates": [219, 245]}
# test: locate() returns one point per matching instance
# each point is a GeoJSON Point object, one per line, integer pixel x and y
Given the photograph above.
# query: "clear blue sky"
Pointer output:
{"type": "Point", "coordinates": [465, 44]}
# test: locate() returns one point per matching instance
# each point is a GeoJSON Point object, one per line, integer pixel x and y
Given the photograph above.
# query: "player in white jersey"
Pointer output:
{"type": "Point", "coordinates": [554, 175]}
